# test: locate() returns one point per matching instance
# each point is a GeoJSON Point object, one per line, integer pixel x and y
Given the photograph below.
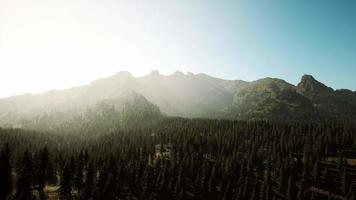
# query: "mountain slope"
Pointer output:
{"type": "Point", "coordinates": [185, 95]}
{"type": "Point", "coordinates": [326, 101]}
{"type": "Point", "coordinates": [126, 110]}
{"type": "Point", "coordinates": [269, 99]}
{"type": "Point", "coordinates": [190, 95]}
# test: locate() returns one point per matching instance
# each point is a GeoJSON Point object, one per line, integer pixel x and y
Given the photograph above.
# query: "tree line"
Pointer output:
{"type": "Point", "coordinates": [179, 158]}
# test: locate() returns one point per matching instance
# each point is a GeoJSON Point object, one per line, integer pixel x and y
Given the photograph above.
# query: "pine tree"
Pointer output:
{"type": "Point", "coordinates": [282, 181]}
{"type": "Point", "coordinates": [267, 187]}
{"type": "Point", "coordinates": [5, 172]}
{"type": "Point", "coordinates": [146, 183]}
{"type": "Point", "coordinates": [345, 182]}
{"type": "Point", "coordinates": [89, 182]}
{"type": "Point", "coordinates": [302, 183]}
{"type": "Point", "coordinates": [44, 172]}
{"type": "Point", "coordinates": [66, 183]}
{"type": "Point", "coordinates": [79, 170]}
{"type": "Point", "coordinates": [212, 182]}
{"type": "Point", "coordinates": [316, 174]}
{"type": "Point", "coordinates": [290, 195]}
{"type": "Point", "coordinates": [25, 177]}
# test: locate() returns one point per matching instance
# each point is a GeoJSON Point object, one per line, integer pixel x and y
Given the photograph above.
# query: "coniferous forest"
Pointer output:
{"type": "Point", "coordinates": [177, 100]}
{"type": "Point", "coordinates": [177, 158]}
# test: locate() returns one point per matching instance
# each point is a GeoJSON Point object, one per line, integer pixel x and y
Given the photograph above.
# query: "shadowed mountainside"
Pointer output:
{"type": "Point", "coordinates": [189, 95]}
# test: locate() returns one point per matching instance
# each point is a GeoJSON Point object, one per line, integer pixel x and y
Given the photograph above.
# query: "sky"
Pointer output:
{"type": "Point", "coordinates": [51, 44]}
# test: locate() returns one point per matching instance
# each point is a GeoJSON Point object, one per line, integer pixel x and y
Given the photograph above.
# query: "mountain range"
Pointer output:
{"type": "Point", "coordinates": [184, 95]}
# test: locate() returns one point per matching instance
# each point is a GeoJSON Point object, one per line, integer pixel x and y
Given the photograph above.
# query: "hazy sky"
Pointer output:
{"type": "Point", "coordinates": [47, 44]}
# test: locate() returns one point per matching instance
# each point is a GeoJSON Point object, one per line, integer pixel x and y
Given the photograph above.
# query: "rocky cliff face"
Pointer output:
{"type": "Point", "coordinates": [309, 85]}
{"type": "Point", "coordinates": [327, 102]}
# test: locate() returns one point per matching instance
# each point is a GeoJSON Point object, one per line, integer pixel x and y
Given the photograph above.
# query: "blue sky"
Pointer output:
{"type": "Point", "coordinates": [51, 44]}
{"type": "Point", "coordinates": [283, 39]}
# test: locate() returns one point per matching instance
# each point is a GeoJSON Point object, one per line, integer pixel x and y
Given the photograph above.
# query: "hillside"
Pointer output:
{"type": "Point", "coordinates": [193, 95]}
{"type": "Point", "coordinates": [123, 111]}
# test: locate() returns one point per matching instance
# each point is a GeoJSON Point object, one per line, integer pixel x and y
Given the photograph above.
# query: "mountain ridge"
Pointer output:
{"type": "Point", "coordinates": [200, 95]}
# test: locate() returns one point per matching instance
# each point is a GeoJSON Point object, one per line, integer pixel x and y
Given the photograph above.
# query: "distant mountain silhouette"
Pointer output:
{"type": "Point", "coordinates": [190, 95]}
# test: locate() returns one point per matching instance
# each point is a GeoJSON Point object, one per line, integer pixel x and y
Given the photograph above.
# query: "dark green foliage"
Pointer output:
{"type": "Point", "coordinates": [191, 159]}
{"type": "Point", "coordinates": [5, 172]}
{"type": "Point", "coordinates": [345, 180]}
{"type": "Point", "coordinates": [25, 177]}
{"type": "Point", "coordinates": [88, 185]}
{"type": "Point", "coordinates": [79, 172]}
{"type": "Point", "coordinates": [66, 182]}
{"type": "Point", "coordinates": [43, 169]}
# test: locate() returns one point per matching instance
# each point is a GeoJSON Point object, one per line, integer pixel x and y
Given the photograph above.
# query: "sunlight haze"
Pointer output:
{"type": "Point", "coordinates": [51, 44]}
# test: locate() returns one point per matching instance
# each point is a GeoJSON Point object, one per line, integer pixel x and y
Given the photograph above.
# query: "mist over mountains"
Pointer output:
{"type": "Point", "coordinates": [185, 95]}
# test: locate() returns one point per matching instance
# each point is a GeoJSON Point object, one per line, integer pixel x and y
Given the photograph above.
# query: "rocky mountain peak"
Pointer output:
{"type": "Point", "coordinates": [309, 84]}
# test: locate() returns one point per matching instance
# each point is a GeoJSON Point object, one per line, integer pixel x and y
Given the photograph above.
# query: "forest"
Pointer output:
{"type": "Point", "coordinates": [177, 100]}
{"type": "Point", "coordinates": [177, 158]}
